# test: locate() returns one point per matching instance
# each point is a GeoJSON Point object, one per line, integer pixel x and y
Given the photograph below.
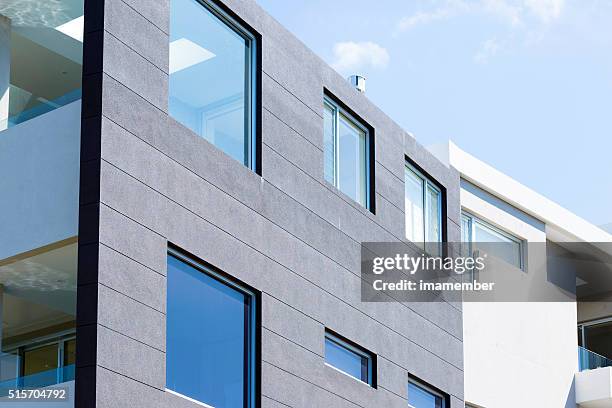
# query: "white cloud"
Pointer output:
{"type": "Point", "coordinates": [510, 11]}
{"type": "Point", "coordinates": [545, 10]}
{"type": "Point", "coordinates": [513, 11]}
{"type": "Point", "coordinates": [489, 49]}
{"type": "Point", "coordinates": [451, 8]}
{"type": "Point", "coordinates": [352, 56]}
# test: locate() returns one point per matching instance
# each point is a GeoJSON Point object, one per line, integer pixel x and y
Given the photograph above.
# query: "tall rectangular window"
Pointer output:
{"type": "Point", "coordinates": [423, 208]}
{"type": "Point", "coordinates": [210, 339]}
{"type": "Point", "coordinates": [346, 145]}
{"type": "Point", "coordinates": [482, 236]}
{"type": "Point", "coordinates": [421, 396]}
{"type": "Point", "coordinates": [212, 77]}
{"type": "Point", "coordinates": [349, 359]}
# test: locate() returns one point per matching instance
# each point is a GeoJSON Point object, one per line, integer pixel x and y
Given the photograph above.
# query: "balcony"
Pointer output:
{"type": "Point", "coordinates": [41, 47]}
{"type": "Point", "coordinates": [48, 380]}
{"type": "Point", "coordinates": [9, 364]}
{"type": "Point", "coordinates": [594, 381]}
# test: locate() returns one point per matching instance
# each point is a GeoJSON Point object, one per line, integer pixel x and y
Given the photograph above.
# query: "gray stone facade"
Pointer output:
{"type": "Point", "coordinates": [147, 181]}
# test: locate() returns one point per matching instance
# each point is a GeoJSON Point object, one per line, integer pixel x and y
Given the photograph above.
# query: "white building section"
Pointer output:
{"type": "Point", "coordinates": [523, 351]}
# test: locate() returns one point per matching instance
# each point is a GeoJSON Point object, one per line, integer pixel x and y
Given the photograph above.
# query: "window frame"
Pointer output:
{"type": "Point", "coordinates": [253, 73]}
{"type": "Point", "coordinates": [474, 219]}
{"type": "Point", "coordinates": [252, 331]}
{"type": "Point", "coordinates": [590, 323]}
{"type": "Point", "coordinates": [339, 110]}
{"type": "Point", "coordinates": [427, 181]}
{"type": "Point", "coordinates": [353, 348]}
{"type": "Point", "coordinates": [427, 388]}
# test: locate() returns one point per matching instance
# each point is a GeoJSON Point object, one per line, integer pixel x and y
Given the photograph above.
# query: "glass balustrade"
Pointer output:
{"type": "Point", "coordinates": [588, 360]}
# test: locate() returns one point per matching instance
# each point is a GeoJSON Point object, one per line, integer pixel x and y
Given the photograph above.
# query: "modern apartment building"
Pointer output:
{"type": "Point", "coordinates": [184, 194]}
{"type": "Point", "coordinates": [185, 190]}
{"type": "Point", "coordinates": [529, 343]}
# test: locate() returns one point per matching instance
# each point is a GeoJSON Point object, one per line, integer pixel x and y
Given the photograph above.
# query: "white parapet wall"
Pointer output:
{"type": "Point", "coordinates": [39, 181]}
{"type": "Point", "coordinates": [594, 388]}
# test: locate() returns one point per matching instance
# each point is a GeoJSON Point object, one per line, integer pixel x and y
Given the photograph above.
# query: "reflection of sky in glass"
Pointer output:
{"type": "Point", "coordinates": [414, 207]}
{"type": "Point", "coordinates": [343, 359]}
{"type": "Point", "coordinates": [352, 166]}
{"type": "Point", "coordinates": [205, 337]}
{"type": "Point", "coordinates": [208, 95]}
{"type": "Point", "coordinates": [433, 210]}
{"type": "Point", "coordinates": [328, 143]}
{"type": "Point", "coordinates": [496, 244]}
{"type": "Point", "coordinates": [41, 13]}
{"type": "Point", "coordinates": [420, 398]}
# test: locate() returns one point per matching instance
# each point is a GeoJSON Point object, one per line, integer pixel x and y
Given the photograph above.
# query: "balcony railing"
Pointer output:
{"type": "Point", "coordinates": [39, 380]}
{"type": "Point", "coordinates": [588, 360]}
{"type": "Point", "coordinates": [9, 364]}
{"type": "Point", "coordinates": [25, 106]}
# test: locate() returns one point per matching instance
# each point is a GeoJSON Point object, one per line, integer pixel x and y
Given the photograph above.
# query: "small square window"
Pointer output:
{"type": "Point", "coordinates": [347, 147]}
{"type": "Point", "coordinates": [479, 235]}
{"type": "Point", "coordinates": [422, 396]}
{"type": "Point", "coordinates": [349, 359]}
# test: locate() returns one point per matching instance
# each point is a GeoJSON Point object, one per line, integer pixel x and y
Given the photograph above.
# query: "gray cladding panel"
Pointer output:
{"type": "Point", "coordinates": [287, 233]}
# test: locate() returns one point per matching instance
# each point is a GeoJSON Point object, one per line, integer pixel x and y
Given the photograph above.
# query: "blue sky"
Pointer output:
{"type": "Point", "coordinates": [525, 85]}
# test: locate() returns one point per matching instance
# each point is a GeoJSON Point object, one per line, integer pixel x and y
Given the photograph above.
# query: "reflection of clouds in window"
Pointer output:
{"type": "Point", "coordinates": [41, 13]}
{"type": "Point", "coordinates": [48, 271]}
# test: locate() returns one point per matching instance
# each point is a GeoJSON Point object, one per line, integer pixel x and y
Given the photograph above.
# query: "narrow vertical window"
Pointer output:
{"type": "Point", "coordinates": [210, 354]}
{"type": "Point", "coordinates": [346, 145]}
{"type": "Point", "coordinates": [212, 77]}
{"type": "Point", "coordinates": [423, 209]}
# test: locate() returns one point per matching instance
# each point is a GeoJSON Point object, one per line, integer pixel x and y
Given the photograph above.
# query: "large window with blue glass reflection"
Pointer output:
{"type": "Point", "coordinates": [212, 77]}
{"type": "Point", "coordinates": [210, 339]}
{"type": "Point", "coordinates": [421, 396]}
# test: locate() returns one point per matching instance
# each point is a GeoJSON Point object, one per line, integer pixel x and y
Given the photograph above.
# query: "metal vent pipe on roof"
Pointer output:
{"type": "Point", "coordinates": [358, 82]}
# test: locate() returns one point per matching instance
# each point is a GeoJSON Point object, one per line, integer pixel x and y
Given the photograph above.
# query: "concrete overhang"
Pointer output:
{"type": "Point", "coordinates": [561, 224]}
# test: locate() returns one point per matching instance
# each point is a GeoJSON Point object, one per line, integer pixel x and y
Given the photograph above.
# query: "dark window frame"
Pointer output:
{"type": "Point", "coordinates": [252, 344]}
{"type": "Point", "coordinates": [370, 373]}
{"type": "Point", "coordinates": [443, 195]}
{"type": "Point", "coordinates": [329, 97]}
{"type": "Point", "coordinates": [428, 388]}
{"type": "Point", "coordinates": [242, 28]}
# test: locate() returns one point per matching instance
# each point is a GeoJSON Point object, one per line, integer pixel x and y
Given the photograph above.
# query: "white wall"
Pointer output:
{"type": "Point", "coordinates": [39, 181]}
{"type": "Point", "coordinates": [519, 354]}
